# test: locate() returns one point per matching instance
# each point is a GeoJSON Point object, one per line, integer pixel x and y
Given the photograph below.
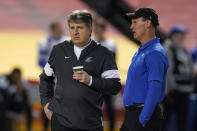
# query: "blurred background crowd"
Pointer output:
{"type": "Point", "coordinates": [30, 28]}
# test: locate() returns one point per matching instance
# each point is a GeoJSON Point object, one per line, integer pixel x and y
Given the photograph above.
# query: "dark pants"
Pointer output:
{"type": "Point", "coordinates": [131, 121]}
{"type": "Point", "coordinates": [56, 126]}
{"type": "Point", "coordinates": [176, 102]}
{"type": "Point", "coordinates": [110, 111]}
{"type": "Point", "coordinates": [45, 121]}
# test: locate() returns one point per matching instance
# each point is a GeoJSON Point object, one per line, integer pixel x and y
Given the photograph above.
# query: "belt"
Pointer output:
{"type": "Point", "coordinates": [133, 107]}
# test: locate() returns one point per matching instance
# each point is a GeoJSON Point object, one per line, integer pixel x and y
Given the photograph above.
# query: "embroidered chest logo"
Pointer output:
{"type": "Point", "coordinates": [143, 54]}
{"type": "Point", "coordinates": [66, 57]}
{"type": "Point", "coordinates": [89, 59]}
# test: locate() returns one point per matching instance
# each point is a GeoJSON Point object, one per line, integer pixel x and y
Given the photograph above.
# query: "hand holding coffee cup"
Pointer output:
{"type": "Point", "coordinates": [81, 75]}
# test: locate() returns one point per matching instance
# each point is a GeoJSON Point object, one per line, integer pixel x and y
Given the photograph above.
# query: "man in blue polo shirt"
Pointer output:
{"type": "Point", "coordinates": [145, 85]}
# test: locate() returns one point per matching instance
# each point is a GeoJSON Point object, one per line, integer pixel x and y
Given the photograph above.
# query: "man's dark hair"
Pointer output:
{"type": "Point", "coordinates": [16, 71]}
{"type": "Point", "coordinates": [100, 24]}
{"type": "Point", "coordinates": [81, 16]}
{"type": "Point", "coordinates": [54, 25]}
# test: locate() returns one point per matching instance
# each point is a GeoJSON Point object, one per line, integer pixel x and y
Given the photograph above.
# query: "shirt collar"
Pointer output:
{"type": "Point", "coordinates": [81, 48]}
{"type": "Point", "coordinates": [154, 40]}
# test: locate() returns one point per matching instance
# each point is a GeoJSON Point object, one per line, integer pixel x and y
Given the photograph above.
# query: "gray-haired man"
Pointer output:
{"type": "Point", "coordinates": [77, 101]}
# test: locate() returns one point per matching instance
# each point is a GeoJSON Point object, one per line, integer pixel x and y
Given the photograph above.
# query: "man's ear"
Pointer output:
{"type": "Point", "coordinates": [148, 24]}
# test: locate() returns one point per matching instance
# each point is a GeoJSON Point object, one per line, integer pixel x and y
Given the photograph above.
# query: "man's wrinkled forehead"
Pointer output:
{"type": "Point", "coordinates": [76, 22]}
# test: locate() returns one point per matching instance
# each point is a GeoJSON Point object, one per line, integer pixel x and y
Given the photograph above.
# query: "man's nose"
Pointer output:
{"type": "Point", "coordinates": [76, 31]}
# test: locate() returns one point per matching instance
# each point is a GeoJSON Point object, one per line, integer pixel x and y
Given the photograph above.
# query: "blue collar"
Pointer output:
{"type": "Point", "coordinates": [155, 40]}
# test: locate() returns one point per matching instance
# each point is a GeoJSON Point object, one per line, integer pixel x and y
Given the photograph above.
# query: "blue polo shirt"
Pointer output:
{"type": "Point", "coordinates": [146, 78]}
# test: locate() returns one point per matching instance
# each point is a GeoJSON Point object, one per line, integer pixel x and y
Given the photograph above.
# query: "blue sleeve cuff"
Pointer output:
{"type": "Point", "coordinates": [143, 121]}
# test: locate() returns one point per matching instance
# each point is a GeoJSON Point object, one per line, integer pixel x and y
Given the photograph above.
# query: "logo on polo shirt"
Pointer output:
{"type": "Point", "coordinates": [89, 59]}
{"type": "Point", "coordinates": [66, 57]}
